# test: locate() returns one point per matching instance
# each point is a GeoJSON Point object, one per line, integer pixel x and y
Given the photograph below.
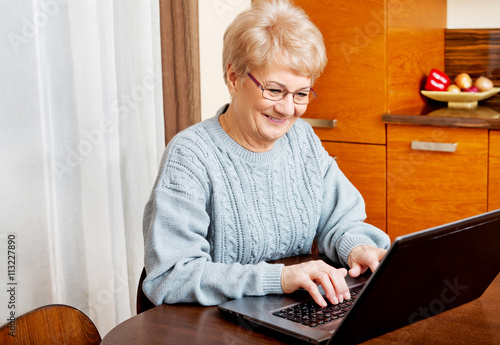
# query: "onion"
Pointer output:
{"type": "Point", "coordinates": [472, 89]}
{"type": "Point", "coordinates": [483, 84]}
{"type": "Point", "coordinates": [463, 80]}
{"type": "Point", "coordinates": [454, 88]}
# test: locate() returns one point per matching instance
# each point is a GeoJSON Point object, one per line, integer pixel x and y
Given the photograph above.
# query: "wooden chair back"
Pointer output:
{"type": "Point", "coordinates": [143, 303]}
{"type": "Point", "coordinates": [54, 324]}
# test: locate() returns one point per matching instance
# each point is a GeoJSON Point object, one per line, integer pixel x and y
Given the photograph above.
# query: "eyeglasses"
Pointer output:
{"type": "Point", "coordinates": [276, 93]}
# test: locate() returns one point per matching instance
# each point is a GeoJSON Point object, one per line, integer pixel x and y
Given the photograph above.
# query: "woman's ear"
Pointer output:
{"type": "Point", "coordinates": [232, 80]}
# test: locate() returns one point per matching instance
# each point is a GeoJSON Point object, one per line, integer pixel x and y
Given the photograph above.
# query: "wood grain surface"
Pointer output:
{"type": "Point", "coordinates": [52, 324]}
{"type": "Point", "coordinates": [494, 172]}
{"type": "Point", "coordinates": [352, 88]}
{"type": "Point", "coordinates": [474, 51]}
{"type": "Point", "coordinates": [427, 188]}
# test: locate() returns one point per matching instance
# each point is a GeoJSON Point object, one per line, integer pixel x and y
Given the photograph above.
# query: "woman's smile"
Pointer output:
{"type": "Point", "coordinates": [276, 120]}
{"type": "Point", "coordinates": [254, 121]}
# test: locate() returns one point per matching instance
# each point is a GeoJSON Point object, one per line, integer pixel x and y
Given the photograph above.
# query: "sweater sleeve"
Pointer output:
{"type": "Point", "coordinates": [177, 253]}
{"type": "Point", "coordinates": [341, 226]}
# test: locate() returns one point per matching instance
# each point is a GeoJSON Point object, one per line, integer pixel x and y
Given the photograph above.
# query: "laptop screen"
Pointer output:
{"type": "Point", "coordinates": [424, 274]}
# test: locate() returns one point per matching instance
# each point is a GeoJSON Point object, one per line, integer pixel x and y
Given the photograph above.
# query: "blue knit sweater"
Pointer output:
{"type": "Point", "coordinates": [218, 213]}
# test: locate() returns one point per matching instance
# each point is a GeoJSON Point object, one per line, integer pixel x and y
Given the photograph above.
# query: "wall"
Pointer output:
{"type": "Point", "coordinates": [473, 14]}
{"type": "Point", "coordinates": [214, 16]}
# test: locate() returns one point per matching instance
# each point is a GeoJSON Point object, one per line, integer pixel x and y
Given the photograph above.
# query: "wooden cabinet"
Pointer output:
{"type": "Point", "coordinates": [352, 88]}
{"type": "Point", "coordinates": [379, 53]}
{"type": "Point", "coordinates": [427, 188]}
{"type": "Point", "coordinates": [494, 172]}
{"type": "Point", "coordinates": [361, 163]}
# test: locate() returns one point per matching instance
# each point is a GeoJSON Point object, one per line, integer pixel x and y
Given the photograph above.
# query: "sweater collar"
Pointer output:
{"type": "Point", "coordinates": [228, 144]}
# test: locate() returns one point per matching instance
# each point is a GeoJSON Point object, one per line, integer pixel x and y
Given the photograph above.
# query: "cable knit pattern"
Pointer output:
{"type": "Point", "coordinates": [218, 213]}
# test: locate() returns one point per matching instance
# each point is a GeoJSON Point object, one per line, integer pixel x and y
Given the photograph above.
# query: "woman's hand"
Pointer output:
{"type": "Point", "coordinates": [363, 257]}
{"type": "Point", "coordinates": [310, 274]}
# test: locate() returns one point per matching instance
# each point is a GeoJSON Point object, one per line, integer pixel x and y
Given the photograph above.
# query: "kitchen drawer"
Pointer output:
{"type": "Point", "coordinates": [364, 166]}
{"type": "Point", "coordinates": [427, 188]}
{"type": "Point", "coordinates": [494, 172]}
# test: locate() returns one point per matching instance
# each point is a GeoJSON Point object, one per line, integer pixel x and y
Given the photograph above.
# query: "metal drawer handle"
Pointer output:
{"type": "Point", "coordinates": [432, 146]}
{"type": "Point", "coordinates": [321, 123]}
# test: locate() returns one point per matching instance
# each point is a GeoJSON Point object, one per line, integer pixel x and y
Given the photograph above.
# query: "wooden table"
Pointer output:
{"type": "Point", "coordinates": [477, 322]}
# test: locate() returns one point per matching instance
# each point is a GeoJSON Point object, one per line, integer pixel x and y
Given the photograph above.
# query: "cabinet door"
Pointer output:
{"type": "Point", "coordinates": [351, 90]}
{"type": "Point", "coordinates": [428, 188]}
{"type": "Point", "coordinates": [415, 45]}
{"type": "Point", "coordinates": [494, 172]}
{"type": "Point", "coordinates": [364, 166]}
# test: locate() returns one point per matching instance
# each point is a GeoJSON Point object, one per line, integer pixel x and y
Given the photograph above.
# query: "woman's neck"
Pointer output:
{"type": "Point", "coordinates": [230, 126]}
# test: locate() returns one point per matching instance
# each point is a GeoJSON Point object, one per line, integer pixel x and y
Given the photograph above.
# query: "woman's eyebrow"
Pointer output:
{"type": "Point", "coordinates": [284, 86]}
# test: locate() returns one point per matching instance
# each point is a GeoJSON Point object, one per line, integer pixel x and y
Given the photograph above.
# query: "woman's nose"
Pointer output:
{"type": "Point", "coordinates": [286, 106]}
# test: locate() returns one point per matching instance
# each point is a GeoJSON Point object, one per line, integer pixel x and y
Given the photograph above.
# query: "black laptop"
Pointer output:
{"type": "Point", "coordinates": [423, 274]}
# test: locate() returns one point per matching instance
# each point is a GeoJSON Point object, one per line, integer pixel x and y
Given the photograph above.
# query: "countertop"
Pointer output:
{"type": "Point", "coordinates": [437, 114]}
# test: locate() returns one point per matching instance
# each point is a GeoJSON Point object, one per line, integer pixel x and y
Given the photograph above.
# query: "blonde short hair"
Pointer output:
{"type": "Point", "coordinates": [274, 31]}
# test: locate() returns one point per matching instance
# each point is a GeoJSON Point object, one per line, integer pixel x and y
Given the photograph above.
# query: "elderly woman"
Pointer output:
{"type": "Point", "coordinates": [253, 184]}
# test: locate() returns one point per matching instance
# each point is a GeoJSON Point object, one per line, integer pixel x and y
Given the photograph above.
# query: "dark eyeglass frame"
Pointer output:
{"type": "Point", "coordinates": [285, 93]}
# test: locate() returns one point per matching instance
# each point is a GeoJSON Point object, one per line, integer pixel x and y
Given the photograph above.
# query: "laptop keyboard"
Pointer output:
{"type": "Point", "coordinates": [311, 314]}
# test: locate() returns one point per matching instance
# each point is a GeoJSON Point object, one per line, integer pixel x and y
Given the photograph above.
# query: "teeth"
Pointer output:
{"type": "Point", "coordinates": [275, 119]}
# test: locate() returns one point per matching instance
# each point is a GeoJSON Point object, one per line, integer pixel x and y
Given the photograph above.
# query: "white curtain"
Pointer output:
{"type": "Point", "coordinates": [81, 135]}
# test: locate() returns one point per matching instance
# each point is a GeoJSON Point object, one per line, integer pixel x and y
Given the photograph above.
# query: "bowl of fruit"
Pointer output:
{"type": "Point", "coordinates": [464, 92]}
